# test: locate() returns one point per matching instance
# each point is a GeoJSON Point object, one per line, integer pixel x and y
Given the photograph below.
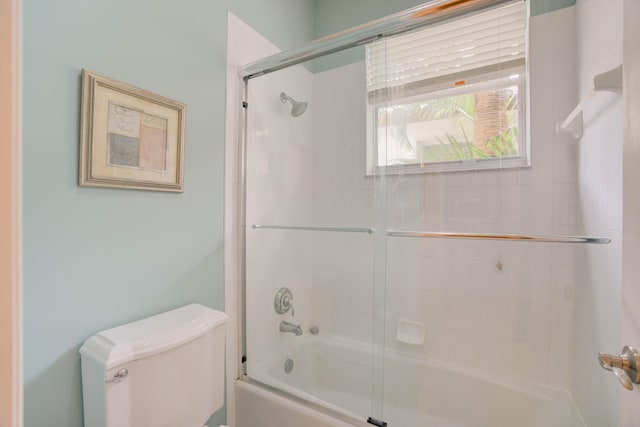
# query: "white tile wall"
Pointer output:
{"type": "Point", "coordinates": [596, 321]}
{"type": "Point", "coordinates": [244, 46]}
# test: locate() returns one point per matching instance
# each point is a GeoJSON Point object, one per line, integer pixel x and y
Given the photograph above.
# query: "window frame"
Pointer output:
{"type": "Point", "coordinates": [448, 85]}
{"type": "Point", "coordinates": [522, 160]}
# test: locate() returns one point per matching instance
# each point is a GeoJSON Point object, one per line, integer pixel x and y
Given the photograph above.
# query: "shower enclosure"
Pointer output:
{"type": "Point", "coordinates": [398, 266]}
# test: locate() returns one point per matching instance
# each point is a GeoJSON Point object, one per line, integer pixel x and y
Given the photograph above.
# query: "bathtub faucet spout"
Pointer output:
{"type": "Point", "coordinates": [290, 327]}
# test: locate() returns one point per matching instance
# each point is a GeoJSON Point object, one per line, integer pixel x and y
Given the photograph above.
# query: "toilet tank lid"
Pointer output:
{"type": "Point", "coordinates": [152, 335]}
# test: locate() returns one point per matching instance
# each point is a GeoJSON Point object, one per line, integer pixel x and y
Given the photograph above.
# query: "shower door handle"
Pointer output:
{"type": "Point", "coordinates": [624, 367]}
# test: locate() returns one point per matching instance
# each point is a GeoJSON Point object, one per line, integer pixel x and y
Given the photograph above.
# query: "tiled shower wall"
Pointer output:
{"type": "Point", "coordinates": [504, 308]}
{"type": "Point", "coordinates": [599, 269]}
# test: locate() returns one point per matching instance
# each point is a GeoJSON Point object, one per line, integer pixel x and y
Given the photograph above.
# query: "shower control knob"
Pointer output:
{"type": "Point", "coordinates": [283, 301]}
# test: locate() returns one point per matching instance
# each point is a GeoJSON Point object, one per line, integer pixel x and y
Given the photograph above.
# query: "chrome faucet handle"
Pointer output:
{"type": "Point", "coordinates": [624, 367]}
{"type": "Point", "coordinates": [284, 301]}
{"type": "Point", "coordinates": [293, 310]}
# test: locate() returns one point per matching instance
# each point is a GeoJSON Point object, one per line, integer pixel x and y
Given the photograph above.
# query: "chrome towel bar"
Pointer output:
{"type": "Point", "coordinates": [449, 235]}
{"type": "Point", "coordinates": [510, 237]}
{"type": "Point", "coordinates": [336, 229]}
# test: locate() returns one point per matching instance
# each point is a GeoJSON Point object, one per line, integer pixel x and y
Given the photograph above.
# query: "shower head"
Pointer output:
{"type": "Point", "coordinates": [297, 107]}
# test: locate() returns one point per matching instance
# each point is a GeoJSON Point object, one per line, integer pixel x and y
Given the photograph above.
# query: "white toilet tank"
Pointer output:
{"type": "Point", "coordinates": [162, 371]}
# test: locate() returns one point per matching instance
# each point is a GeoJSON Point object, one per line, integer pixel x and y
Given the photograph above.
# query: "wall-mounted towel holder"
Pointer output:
{"type": "Point", "coordinates": [609, 81]}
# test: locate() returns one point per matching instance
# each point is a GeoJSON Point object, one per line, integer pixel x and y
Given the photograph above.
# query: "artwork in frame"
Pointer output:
{"type": "Point", "coordinates": [130, 137]}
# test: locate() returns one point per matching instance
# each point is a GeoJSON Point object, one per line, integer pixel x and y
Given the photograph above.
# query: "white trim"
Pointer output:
{"type": "Point", "coordinates": [11, 409]}
{"type": "Point", "coordinates": [436, 61]}
{"type": "Point", "coordinates": [243, 46]}
{"type": "Point", "coordinates": [630, 319]}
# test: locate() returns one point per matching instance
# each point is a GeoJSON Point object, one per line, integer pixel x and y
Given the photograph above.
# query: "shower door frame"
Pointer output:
{"type": "Point", "coordinates": [369, 32]}
{"type": "Point", "coordinates": [242, 226]}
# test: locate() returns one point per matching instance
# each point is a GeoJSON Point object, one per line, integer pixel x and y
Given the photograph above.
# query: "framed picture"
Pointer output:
{"type": "Point", "coordinates": [130, 138]}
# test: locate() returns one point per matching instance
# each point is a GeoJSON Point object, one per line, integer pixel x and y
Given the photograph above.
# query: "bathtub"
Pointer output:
{"type": "Point", "coordinates": [335, 374]}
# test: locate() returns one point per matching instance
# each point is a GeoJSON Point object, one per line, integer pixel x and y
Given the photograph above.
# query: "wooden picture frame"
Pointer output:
{"type": "Point", "coordinates": [130, 137]}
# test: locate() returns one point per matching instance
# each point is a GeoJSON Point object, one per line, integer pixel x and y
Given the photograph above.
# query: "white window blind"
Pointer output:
{"type": "Point", "coordinates": [486, 45]}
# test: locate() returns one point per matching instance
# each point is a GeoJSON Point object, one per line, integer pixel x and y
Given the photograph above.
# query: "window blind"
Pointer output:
{"type": "Point", "coordinates": [489, 44]}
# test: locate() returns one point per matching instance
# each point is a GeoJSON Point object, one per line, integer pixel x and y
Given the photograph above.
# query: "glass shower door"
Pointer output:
{"type": "Point", "coordinates": [399, 271]}
{"type": "Point", "coordinates": [488, 290]}
{"type": "Point", "coordinates": [312, 276]}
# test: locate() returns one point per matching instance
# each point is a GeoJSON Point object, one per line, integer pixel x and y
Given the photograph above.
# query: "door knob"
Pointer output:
{"type": "Point", "coordinates": [624, 366]}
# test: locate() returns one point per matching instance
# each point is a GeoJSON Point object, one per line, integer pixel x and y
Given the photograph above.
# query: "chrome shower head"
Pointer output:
{"type": "Point", "coordinates": [297, 107]}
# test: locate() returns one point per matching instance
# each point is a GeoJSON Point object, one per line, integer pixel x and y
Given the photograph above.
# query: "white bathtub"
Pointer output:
{"type": "Point", "coordinates": [335, 373]}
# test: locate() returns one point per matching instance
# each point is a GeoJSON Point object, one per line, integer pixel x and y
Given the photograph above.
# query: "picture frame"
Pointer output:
{"type": "Point", "coordinates": [130, 138]}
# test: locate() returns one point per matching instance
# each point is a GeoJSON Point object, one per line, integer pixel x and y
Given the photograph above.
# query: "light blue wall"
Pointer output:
{"type": "Point", "coordinates": [95, 258]}
{"type": "Point", "coordinates": [543, 6]}
{"type": "Point", "coordinates": [332, 16]}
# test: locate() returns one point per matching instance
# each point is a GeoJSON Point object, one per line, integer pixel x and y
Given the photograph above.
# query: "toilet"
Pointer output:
{"type": "Point", "coordinates": [163, 371]}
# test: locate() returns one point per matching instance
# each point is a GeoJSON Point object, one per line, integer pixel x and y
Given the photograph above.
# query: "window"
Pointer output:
{"type": "Point", "coordinates": [450, 96]}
